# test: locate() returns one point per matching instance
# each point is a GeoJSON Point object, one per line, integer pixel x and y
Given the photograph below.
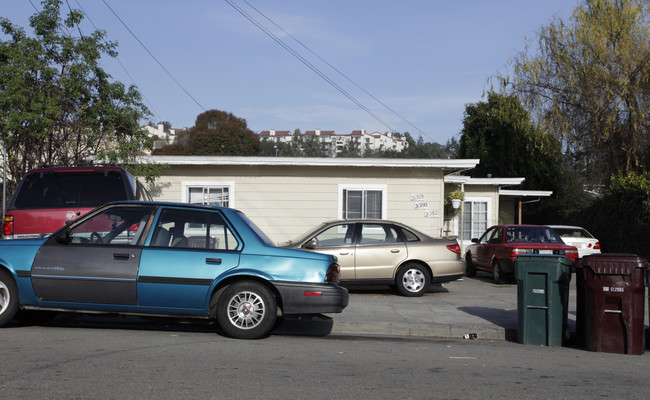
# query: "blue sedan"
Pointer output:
{"type": "Point", "coordinates": [168, 259]}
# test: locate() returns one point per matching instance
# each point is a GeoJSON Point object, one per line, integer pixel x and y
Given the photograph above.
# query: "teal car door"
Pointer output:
{"type": "Point", "coordinates": [93, 262]}
{"type": "Point", "coordinates": [186, 251]}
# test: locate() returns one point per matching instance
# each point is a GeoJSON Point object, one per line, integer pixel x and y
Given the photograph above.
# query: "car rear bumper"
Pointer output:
{"type": "Point", "coordinates": [311, 298]}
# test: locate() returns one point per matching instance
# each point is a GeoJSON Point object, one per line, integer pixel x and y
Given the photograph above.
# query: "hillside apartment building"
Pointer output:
{"type": "Point", "coordinates": [332, 144]}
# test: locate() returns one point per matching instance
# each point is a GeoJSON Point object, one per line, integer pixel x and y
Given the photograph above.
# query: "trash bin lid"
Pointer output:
{"type": "Point", "coordinates": [613, 263]}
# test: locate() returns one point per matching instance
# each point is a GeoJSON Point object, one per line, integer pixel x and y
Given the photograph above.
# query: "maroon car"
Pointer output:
{"type": "Point", "coordinates": [495, 251]}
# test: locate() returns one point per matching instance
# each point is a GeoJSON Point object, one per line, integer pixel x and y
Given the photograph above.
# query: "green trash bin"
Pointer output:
{"type": "Point", "coordinates": [543, 299]}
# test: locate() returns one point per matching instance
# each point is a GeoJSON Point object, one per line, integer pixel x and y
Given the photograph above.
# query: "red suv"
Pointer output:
{"type": "Point", "coordinates": [48, 197]}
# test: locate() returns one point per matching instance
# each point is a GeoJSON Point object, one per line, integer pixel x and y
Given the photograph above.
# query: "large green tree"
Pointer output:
{"type": "Point", "coordinates": [500, 133]}
{"type": "Point", "coordinates": [57, 104]}
{"type": "Point", "coordinates": [215, 133]}
{"type": "Point", "coordinates": [588, 83]}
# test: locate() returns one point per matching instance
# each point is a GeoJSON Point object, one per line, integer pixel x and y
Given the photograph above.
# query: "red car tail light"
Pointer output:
{"type": "Point", "coordinates": [454, 248]}
{"type": "Point", "coordinates": [572, 253]}
{"type": "Point", "coordinates": [333, 274]}
{"type": "Point", "coordinates": [8, 225]}
{"type": "Point", "coordinates": [517, 252]}
{"type": "Point", "coordinates": [597, 246]}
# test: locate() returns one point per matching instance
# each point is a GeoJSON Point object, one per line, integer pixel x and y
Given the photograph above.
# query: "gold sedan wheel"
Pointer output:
{"type": "Point", "coordinates": [412, 280]}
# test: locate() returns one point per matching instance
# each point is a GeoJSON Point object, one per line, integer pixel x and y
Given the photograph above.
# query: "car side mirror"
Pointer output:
{"type": "Point", "coordinates": [63, 237]}
{"type": "Point", "coordinates": [474, 240]}
{"type": "Point", "coordinates": [310, 244]}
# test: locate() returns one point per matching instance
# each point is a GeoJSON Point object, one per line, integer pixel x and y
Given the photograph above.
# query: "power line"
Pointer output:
{"type": "Point", "coordinates": [78, 27]}
{"type": "Point", "coordinates": [309, 65]}
{"type": "Point", "coordinates": [334, 68]}
{"type": "Point", "coordinates": [95, 27]}
{"type": "Point", "coordinates": [116, 58]}
{"type": "Point", "coordinates": [154, 57]}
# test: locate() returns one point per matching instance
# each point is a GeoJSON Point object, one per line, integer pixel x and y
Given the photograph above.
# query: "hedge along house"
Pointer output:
{"type": "Point", "coordinates": [287, 196]}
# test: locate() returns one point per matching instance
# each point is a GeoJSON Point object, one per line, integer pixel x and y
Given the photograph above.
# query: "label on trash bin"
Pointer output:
{"type": "Point", "coordinates": [614, 289]}
{"type": "Point", "coordinates": [538, 291]}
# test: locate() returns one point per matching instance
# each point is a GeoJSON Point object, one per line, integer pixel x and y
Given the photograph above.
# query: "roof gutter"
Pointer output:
{"type": "Point", "coordinates": [455, 164]}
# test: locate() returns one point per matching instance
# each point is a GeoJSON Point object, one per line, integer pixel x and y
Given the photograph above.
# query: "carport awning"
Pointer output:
{"type": "Point", "coordinates": [525, 193]}
{"type": "Point", "coordinates": [521, 194]}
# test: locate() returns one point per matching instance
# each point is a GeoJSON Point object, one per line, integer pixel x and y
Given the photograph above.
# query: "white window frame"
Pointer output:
{"type": "Point", "coordinates": [382, 188]}
{"type": "Point", "coordinates": [488, 221]}
{"type": "Point", "coordinates": [209, 184]}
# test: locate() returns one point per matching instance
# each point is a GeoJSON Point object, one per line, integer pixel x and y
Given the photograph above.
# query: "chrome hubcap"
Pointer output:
{"type": "Point", "coordinates": [246, 310]}
{"type": "Point", "coordinates": [413, 280]}
{"type": "Point", "coordinates": [4, 297]}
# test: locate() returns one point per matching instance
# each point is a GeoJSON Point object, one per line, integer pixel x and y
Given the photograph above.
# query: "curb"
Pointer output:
{"type": "Point", "coordinates": [324, 326]}
{"type": "Point", "coordinates": [442, 331]}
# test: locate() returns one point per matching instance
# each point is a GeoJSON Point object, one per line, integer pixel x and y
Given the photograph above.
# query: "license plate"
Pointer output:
{"type": "Point", "coordinates": [546, 252]}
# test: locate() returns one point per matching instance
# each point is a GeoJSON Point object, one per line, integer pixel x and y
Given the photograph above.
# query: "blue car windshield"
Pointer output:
{"type": "Point", "coordinates": [257, 230]}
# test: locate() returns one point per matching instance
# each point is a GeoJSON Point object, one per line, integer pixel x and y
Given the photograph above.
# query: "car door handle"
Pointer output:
{"type": "Point", "coordinates": [344, 253]}
{"type": "Point", "coordinates": [394, 251]}
{"type": "Point", "coordinates": [213, 260]}
{"type": "Point", "coordinates": [121, 256]}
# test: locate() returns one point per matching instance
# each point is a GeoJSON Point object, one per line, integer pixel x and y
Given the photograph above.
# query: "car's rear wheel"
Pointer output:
{"type": "Point", "coordinates": [497, 272]}
{"type": "Point", "coordinates": [470, 269]}
{"type": "Point", "coordinates": [412, 280]}
{"type": "Point", "coordinates": [247, 310]}
{"type": "Point", "coordinates": [8, 298]}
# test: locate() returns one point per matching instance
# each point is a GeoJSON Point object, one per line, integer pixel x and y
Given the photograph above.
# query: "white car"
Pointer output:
{"type": "Point", "coordinates": [578, 237]}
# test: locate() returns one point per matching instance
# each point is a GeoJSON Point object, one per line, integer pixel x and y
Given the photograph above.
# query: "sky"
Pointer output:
{"type": "Point", "coordinates": [401, 66]}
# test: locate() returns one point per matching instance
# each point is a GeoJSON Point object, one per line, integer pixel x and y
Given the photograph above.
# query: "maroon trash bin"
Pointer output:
{"type": "Point", "coordinates": [611, 303]}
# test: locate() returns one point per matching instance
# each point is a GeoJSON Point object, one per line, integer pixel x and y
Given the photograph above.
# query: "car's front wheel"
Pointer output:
{"type": "Point", "coordinates": [247, 310]}
{"type": "Point", "coordinates": [8, 298]}
{"type": "Point", "coordinates": [412, 280]}
{"type": "Point", "coordinates": [470, 269]}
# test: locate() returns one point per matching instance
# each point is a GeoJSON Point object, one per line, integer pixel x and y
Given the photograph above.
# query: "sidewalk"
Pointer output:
{"type": "Point", "coordinates": [470, 305]}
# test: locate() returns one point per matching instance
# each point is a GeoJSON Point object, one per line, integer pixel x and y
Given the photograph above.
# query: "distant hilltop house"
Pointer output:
{"type": "Point", "coordinates": [165, 137]}
{"type": "Point", "coordinates": [333, 144]}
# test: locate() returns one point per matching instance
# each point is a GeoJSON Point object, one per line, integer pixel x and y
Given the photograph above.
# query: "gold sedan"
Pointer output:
{"type": "Point", "coordinates": [385, 252]}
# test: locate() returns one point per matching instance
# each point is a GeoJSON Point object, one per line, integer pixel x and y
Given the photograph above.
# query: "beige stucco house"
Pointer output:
{"type": "Point", "coordinates": [286, 196]}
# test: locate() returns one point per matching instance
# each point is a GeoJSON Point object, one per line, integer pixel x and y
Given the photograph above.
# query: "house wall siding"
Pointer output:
{"type": "Point", "coordinates": [476, 191]}
{"type": "Point", "coordinates": [285, 201]}
{"type": "Point", "coordinates": [507, 211]}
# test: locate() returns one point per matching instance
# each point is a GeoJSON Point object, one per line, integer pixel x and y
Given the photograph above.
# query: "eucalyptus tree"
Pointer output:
{"type": "Point", "coordinates": [588, 83]}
